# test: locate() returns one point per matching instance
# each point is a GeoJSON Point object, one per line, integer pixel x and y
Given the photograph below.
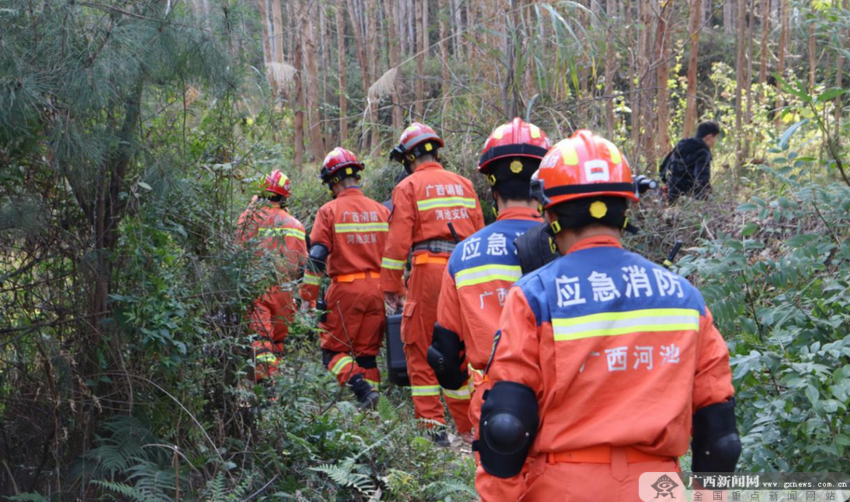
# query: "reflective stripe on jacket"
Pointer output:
{"type": "Point", "coordinates": [423, 205]}
{"type": "Point", "coordinates": [475, 285]}
{"type": "Point", "coordinates": [619, 351]}
{"type": "Point", "coordinates": [354, 229]}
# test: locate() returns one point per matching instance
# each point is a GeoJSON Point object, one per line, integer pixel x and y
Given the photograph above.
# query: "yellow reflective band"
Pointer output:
{"type": "Point", "coordinates": [535, 131]}
{"type": "Point", "coordinates": [570, 156]}
{"type": "Point", "coordinates": [392, 264]}
{"type": "Point", "coordinates": [477, 372]}
{"type": "Point", "coordinates": [313, 280]}
{"type": "Point", "coordinates": [624, 323]}
{"type": "Point", "coordinates": [344, 228]}
{"type": "Point", "coordinates": [499, 133]}
{"type": "Point", "coordinates": [424, 205]}
{"type": "Point", "coordinates": [487, 273]}
{"type": "Point", "coordinates": [286, 232]}
{"type": "Point", "coordinates": [613, 152]}
{"type": "Point", "coordinates": [375, 385]}
{"type": "Point", "coordinates": [341, 364]}
{"type": "Point", "coordinates": [267, 358]}
{"type": "Point", "coordinates": [425, 390]}
{"type": "Point", "coordinates": [461, 393]}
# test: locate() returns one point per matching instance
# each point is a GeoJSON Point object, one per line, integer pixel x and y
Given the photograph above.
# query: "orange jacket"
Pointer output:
{"type": "Point", "coordinates": [619, 351]}
{"type": "Point", "coordinates": [476, 282]}
{"type": "Point", "coordinates": [277, 232]}
{"type": "Point", "coordinates": [423, 205]}
{"type": "Point", "coordinates": [354, 229]}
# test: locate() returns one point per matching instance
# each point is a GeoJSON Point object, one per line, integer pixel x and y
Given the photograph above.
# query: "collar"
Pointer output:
{"type": "Point", "coordinates": [598, 241]}
{"type": "Point", "coordinates": [519, 213]}
{"type": "Point", "coordinates": [354, 190]}
{"type": "Point", "coordinates": [429, 166]}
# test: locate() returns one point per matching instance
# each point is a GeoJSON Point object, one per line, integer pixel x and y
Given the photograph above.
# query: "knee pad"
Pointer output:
{"type": "Point", "coordinates": [328, 356]}
{"type": "Point", "coordinates": [716, 444]}
{"type": "Point", "coordinates": [444, 357]}
{"type": "Point", "coordinates": [509, 421]}
{"type": "Point", "coordinates": [366, 362]}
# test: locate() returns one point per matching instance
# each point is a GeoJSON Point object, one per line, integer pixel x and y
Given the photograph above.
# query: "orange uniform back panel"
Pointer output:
{"type": "Point", "coordinates": [423, 205]}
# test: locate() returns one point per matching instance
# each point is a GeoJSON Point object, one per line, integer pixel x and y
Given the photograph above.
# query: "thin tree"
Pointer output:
{"type": "Point", "coordinates": [741, 73]}
{"type": "Point", "coordinates": [663, 41]}
{"type": "Point", "coordinates": [343, 96]}
{"type": "Point", "coordinates": [298, 122]}
{"type": "Point", "coordinates": [812, 47]}
{"type": "Point", "coordinates": [695, 24]}
{"type": "Point", "coordinates": [783, 42]}
{"type": "Point", "coordinates": [308, 33]}
{"type": "Point", "coordinates": [421, 47]}
{"type": "Point", "coordinates": [610, 65]}
{"type": "Point", "coordinates": [394, 35]}
{"type": "Point", "coordinates": [765, 31]}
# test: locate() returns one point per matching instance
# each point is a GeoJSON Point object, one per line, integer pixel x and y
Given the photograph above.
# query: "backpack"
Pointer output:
{"type": "Point", "coordinates": [673, 169]}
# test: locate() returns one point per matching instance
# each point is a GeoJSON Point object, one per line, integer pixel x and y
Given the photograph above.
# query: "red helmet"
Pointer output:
{"type": "Point", "coordinates": [338, 164]}
{"type": "Point", "coordinates": [416, 134]}
{"type": "Point", "coordinates": [278, 183]}
{"type": "Point", "coordinates": [585, 165]}
{"type": "Point", "coordinates": [516, 138]}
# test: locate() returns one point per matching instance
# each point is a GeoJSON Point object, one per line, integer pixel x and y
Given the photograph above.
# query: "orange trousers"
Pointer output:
{"type": "Point", "coordinates": [354, 329]}
{"type": "Point", "coordinates": [575, 482]}
{"type": "Point", "coordinates": [269, 318]}
{"type": "Point", "coordinates": [272, 313]}
{"type": "Point", "coordinates": [267, 359]}
{"type": "Point", "coordinates": [417, 329]}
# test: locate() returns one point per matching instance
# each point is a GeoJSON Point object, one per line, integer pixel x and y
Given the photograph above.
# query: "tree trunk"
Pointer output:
{"type": "Point", "coordinates": [343, 97]}
{"type": "Point", "coordinates": [839, 77]}
{"type": "Point", "coordinates": [765, 31]}
{"type": "Point", "coordinates": [665, 35]}
{"type": "Point", "coordinates": [783, 40]}
{"type": "Point", "coordinates": [739, 88]}
{"type": "Point", "coordinates": [394, 36]}
{"type": "Point", "coordinates": [610, 62]}
{"type": "Point", "coordinates": [268, 55]}
{"type": "Point", "coordinates": [308, 34]}
{"type": "Point", "coordinates": [748, 87]}
{"type": "Point", "coordinates": [693, 59]}
{"type": "Point", "coordinates": [421, 46]}
{"type": "Point", "coordinates": [372, 37]}
{"type": "Point", "coordinates": [812, 49]}
{"type": "Point", "coordinates": [443, 14]}
{"type": "Point", "coordinates": [729, 13]}
{"type": "Point", "coordinates": [298, 122]}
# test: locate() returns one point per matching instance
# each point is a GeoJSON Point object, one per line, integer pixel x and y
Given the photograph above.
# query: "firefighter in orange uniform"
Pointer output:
{"type": "Point", "coordinates": [606, 362]}
{"type": "Point", "coordinates": [424, 204]}
{"type": "Point", "coordinates": [347, 240]}
{"type": "Point", "coordinates": [485, 265]}
{"type": "Point", "coordinates": [281, 237]}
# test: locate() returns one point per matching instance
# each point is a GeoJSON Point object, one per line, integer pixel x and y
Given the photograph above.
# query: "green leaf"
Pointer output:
{"type": "Point", "coordinates": [831, 94]}
{"type": "Point", "coordinates": [145, 186]}
{"type": "Point", "coordinates": [786, 136]}
{"type": "Point", "coordinates": [749, 229]}
{"type": "Point", "coordinates": [813, 394]}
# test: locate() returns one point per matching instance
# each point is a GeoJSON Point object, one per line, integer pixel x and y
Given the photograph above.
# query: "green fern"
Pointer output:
{"type": "Point", "coordinates": [442, 489]}
{"type": "Point", "coordinates": [27, 497]}
{"type": "Point", "coordinates": [344, 475]}
{"type": "Point", "coordinates": [126, 491]}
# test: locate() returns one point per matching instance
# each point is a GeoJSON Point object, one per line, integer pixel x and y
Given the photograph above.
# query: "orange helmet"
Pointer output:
{"type": "Point", "coordinates": [418, 139]}
{"type": "Point", "coordinates": [516, 138]}
{"type": "Point", "coordinates": [338, 164]}
{"type": "Point", "coordinates": [584, 165]}
{"type": "Point", "coordinates": [278, 183]}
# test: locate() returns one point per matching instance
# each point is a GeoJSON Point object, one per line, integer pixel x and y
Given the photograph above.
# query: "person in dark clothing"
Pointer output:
{"type": "Point", "coordinates": [687, 168]}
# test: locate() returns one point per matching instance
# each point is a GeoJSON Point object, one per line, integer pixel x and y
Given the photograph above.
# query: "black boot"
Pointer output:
{"type": "Point", "coordinates": [441, 438]}
{"type": "Point", "coordinates": [367, 397]}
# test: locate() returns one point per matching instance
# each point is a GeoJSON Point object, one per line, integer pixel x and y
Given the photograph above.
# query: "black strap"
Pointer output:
{"type": "Point", "coordinates": [507, 150]}
{"type": "Point", "coordinates": [589, 188]}
{"type": "Point", "coordinates": [475, 444]}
